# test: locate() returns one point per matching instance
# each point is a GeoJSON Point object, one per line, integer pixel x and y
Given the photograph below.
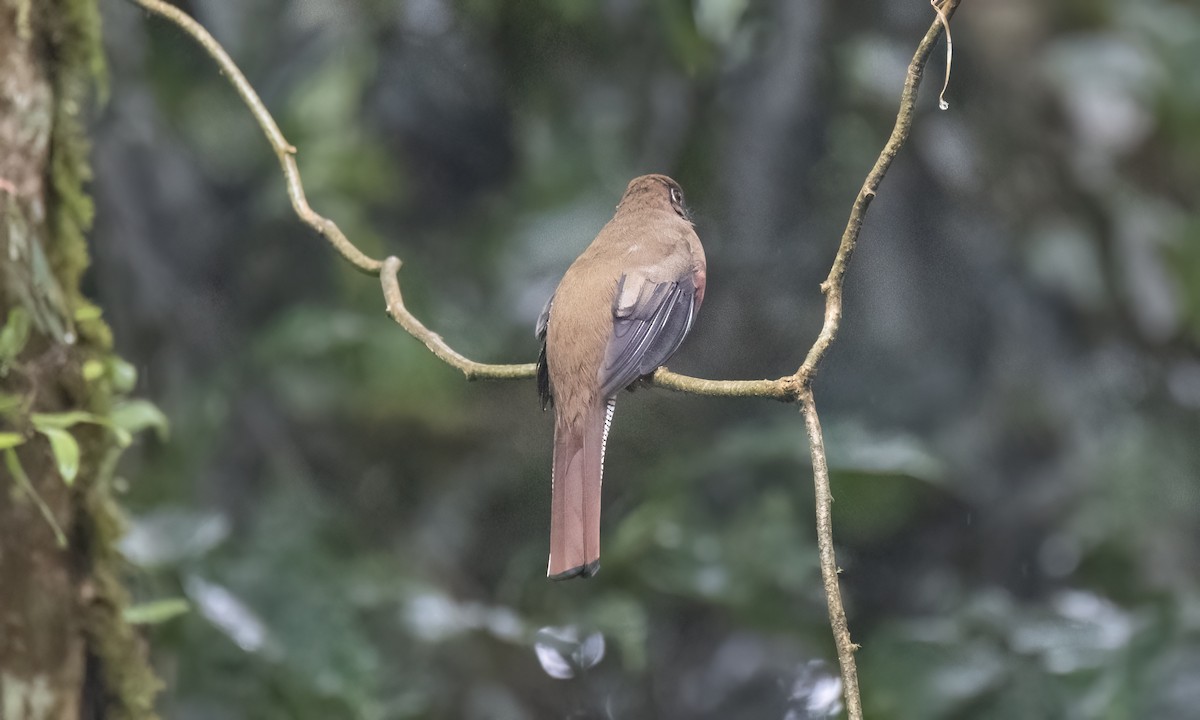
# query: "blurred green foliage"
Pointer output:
{"type": "Point", "coordinates": [1010, 409]}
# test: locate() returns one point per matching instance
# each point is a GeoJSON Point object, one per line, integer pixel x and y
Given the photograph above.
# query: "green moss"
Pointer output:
{"type": "Point", "coordinates": [74, 30]}
{"type": "Point", "coordinates": [129, 686]}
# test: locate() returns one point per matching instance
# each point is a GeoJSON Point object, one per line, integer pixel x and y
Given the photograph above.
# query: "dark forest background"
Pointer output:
{"type": "Point", "coordinates": [1011, 408]}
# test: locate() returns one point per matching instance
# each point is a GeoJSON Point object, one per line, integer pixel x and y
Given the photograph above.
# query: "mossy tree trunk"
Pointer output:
{"type": "Point", "coordinates": [65, 650]}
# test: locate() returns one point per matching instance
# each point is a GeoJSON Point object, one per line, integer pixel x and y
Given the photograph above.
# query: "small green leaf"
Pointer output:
{"type": "Point", "coordinates": [93, 370]}
{"type": "Point", "coordinates": [134, 416]}
{"type": "Point", "coordinates": [10, 440]}
{"type": "Point", "coordinates": [14, 334]}
{"type": "Point", "coordinates": [87, 312]}
{"type": "Point", "coordinates": [64, 420]}
{"type": "Point", "coordinates": [66, 452]}
{"type": "Point", "coordinates": [155, 612]}
{"type": "Point", "coordinates": [124, 375]}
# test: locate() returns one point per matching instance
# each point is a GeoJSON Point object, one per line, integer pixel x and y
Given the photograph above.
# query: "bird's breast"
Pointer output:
{"type": "Point", "coordinates": [577, 335]}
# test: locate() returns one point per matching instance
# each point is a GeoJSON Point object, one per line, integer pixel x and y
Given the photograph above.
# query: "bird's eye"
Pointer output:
{"type": "Point", "coordinates": [676, 196]}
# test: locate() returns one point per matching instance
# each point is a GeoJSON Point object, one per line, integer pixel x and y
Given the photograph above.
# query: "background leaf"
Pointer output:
{"type": "Point", "coordinates": [134, 416]}
{"type": "Point", "coordinates": [156, 612]}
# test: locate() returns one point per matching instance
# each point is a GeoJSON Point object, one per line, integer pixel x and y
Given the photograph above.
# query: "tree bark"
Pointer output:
{"type": "Point", "coordinates": [65, 651]}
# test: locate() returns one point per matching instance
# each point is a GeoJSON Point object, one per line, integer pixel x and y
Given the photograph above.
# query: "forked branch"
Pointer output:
{"type": "Point", "coordinates": [796, 387]}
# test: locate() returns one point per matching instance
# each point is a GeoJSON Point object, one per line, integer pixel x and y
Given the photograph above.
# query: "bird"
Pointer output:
{"type": "Point", "coordinates": [620, 311]}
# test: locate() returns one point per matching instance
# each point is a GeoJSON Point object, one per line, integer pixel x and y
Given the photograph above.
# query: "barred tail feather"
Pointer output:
{"type": "Point", "coordinates": [577, 478]}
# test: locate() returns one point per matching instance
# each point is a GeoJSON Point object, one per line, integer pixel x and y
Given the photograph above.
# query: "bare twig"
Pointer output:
{"type": "Point", "coordinates": [785, 388]}
{"type": "Point", "coordinates": [832, 287]}
{"type": "Point", "coordinates": [389, 278]}
{"type": "Point", "coordinates": [283, 149]}
{"type": "Point", "coordinates": [823, 499]}
{"type": "Point", "coordinates": [792, 388]}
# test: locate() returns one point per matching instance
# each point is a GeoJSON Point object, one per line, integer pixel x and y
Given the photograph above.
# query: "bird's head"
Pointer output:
{"type": "Point", "coordinates": [654, 191]}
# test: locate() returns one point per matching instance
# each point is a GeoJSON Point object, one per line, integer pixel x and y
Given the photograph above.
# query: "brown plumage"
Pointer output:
{"type": "Point", "coordinates": [622, 308]}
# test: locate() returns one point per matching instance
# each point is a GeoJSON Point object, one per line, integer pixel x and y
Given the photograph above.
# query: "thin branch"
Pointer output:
{"type": "Point", "coordinates": [792, 388]}
{"type": "Point", "coordinates": [283, 149]}
{"type": "Point", "coordinates": [389, 277]}
{"type": "Point", "coordinates": [829, 569]}
{"type": "Point", "coordinates": [785, 389]}
{"type": "Point", "coordinates": [832, 287]}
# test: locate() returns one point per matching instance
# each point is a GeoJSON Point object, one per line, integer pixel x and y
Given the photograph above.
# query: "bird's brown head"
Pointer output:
{"type": "Point", "coordinates": [654, 191]}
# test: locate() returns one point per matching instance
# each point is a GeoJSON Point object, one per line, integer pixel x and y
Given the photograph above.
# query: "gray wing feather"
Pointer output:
{"type": "Point", "coordinates": [543, 371]}
{"type": "Point", "coordinates": [650, 321]}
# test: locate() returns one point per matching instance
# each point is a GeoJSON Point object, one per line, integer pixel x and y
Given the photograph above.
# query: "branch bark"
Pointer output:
{"type": "Point", "coordinates": [796, 387]}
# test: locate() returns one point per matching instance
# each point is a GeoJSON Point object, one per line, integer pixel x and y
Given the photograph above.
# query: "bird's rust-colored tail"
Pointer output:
{"type": "Point", "coordinates": [575, 504]}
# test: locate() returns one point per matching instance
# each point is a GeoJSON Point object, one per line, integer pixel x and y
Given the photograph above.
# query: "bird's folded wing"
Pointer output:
{"type": "Point", "coordinates": [650, 321]}
{"type": "Point", "coordinates": [543, 321]}
{"type": "Point", "coordinates": [543, 371]}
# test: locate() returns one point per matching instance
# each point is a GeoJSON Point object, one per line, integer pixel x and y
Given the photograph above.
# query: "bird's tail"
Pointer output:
{"type": "Point", "coordinates": [575, 507]}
